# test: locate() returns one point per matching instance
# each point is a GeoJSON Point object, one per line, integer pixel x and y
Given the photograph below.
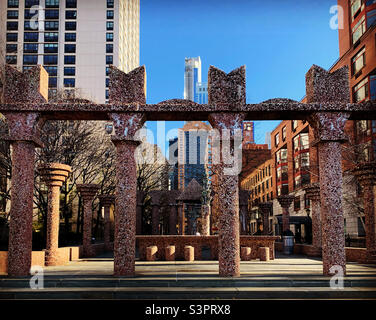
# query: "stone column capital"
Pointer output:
{"type": "Point", "coordinates": [24, 127]}
{"type": "Point", "coordinates": [313, 191]}
{"type": "Point", "coordinates": [265, 207]}
{"type": "Point", "coordinates": [54, 174]}
{"type": "Point", "coordinates": [285, 201]}
{"type": "Point", "coordinates": [226, 121]}
{"type": "Point", "coordinates": [88, 191]}
{"type": "Point", "coordinates": [366, 174]}
{"type": "Point", "coordinates": [329, 126]}
{"type": "Point", "coordinates": [106, 200]}
{"type": "Point", "coordinates": [126, 125]}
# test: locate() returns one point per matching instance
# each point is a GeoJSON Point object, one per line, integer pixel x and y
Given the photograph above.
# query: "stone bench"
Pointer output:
{"type": "Point", "coordinates": [264, 253]}
{"type": "Point", "coordinates": [170, 253]}
{"type": "Point", "coordinates": [189, 253]}
{"type": "Point", "coordinates": [245, 253]}
{"type": "Point", "coordinates": [151, 253]}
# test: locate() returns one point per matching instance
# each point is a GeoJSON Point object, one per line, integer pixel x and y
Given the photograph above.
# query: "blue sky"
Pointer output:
{"type": "Point", "coordinates": [278, 41]}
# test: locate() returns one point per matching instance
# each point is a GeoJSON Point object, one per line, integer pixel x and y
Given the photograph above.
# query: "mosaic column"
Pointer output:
{"type": "Point", "coordinates": [87, 192]}
{"type": "Point", "coordinates": [366, 175]}
{"type": "Point", "coordinates": [106, 202]}
{"type": "Point", "coordinates": [266, 209]}
{"type": "Point", "coordinates": [155, 219]}
{"type": "Point", "coordinates": [181, 218]}
{"type": "Point", "coordinates": [205, 220]}
{"type": "Point", "coordinates": [328, 88]}
{"type": "Point", "coordinates": [227, 90]}
{"type": "Point", "coordinates": [285, 202]}
{"type": "Point", "coordinates": [28, 88]}
{"type": "Point", "coordinates": [24, 137]}
{"type": "Point", "coordinates": [126, 126]}
{"type": "Point", "coordinates": [54, 175]}
{"type": "Point", "coordinates": [313, 194]}
{"type": "Point", "coordinates": [139, 213]}
{"type": "Point", "coordinates": [173, 219]}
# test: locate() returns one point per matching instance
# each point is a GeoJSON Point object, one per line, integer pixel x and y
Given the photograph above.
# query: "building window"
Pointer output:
{"type": "Point", "coordinates": [297, 203]}
{"type": "Point", "coordinates": [110, 25]}
{"type": "Point", "coordinates": [52, 71]}
{"type": "Point", "coordinates": [70, 37]}
{"type": "Point", "coordinates": [358, 61]}
{"type": "Point", "coordinates": [71, 14]}
{"type": "Point", "coordinates": [107, 94]}
{"type": "Point", "coordinates": [51, 37]}
{"type": "Point", "coordinates": [107, 82]}
{"type": "Point", "coordinates": [69, 71]}
{"type": "Point", "coordinates": [109, 48]}
{"type": "Point", "coordinates": [110, 3]}
{"type": "Point", "coordinates": [51, 14]}
{"type": "Point", "coordinates": [11, 59]}
{"type": "Point", "coordinates": [51, 25]}
{"type": "Point", "coordinates": [276, 139]}
{"type": "Point", "coordinates": [109, 36]}
{"type": "Point", "coordinates": [12, 25]}
{"type": "Point", "coordinates": [70, 25]}
{"type": "Point", "coordinates": [31, 48]}
{"type": "Point", "coordinates": [371, 18]}
{"type": "Point", "coordinates": [31, 3]}
{"type": "Point", "coordinates": [52, 3]}
{"type": "Point", "coordinates": [52, 82]}
{"type": "Point", "coordinates": [359, 29]}
{"type": "Point", "coordinates": [284, 133]}
{"type": "Point", "coordinates": [360, 91]}
{"type": "Point", "coordinates": [372, 85]}
{"type": "Point", "coordinates": [71, 4]}
{"type": "Point", "coordinates": [356, 9]}
{"type": "Point", "coordinates": [50, 59]}
{"type": "Point", "coordinates": [12, 37]}
{"type": "Point", "coordinates": [70, 59]}
{"type": "Point", "coordinates": [69, 82]}
{"type": "Point", "coordinates": [31, 36]}
{"type": "Point", "coordinates": [30, 59]}
{"type": "Point", "coordinates": [107, 71]}
{"type": "Point", "coordinates": [110, 14]}
{"type": "Point", "coordinates": [30, 13]}
{"type": "Point", "coordinates": [294, 125]}
{"type": "Point", "coordinates": [12, 14]}
{"type": "Point", "coordinates": [13, 3]}
{"type": "Point", "coordinates": [31, 25]}
{"type": "Point", "coordinates": [70, 48]}
{"type": "Point", "coordinates": [11, 48]}
{"type": "Point", "coordinates": [109, 59]}
{"type": "Point", "coordinates": [50, 48]}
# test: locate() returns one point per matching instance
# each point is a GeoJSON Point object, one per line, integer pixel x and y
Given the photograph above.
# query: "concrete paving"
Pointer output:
{"type": "Point", "coordinates": [286, 277]}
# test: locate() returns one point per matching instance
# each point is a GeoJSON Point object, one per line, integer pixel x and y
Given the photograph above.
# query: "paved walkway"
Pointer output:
{"type": "Point", "coordinates": [293, 277]}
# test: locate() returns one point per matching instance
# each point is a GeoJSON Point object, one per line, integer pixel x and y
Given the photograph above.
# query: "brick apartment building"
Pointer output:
{"type": "Point", "coordinates": [293, 159]}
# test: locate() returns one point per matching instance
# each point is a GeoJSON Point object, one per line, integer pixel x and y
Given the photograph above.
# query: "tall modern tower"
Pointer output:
{"type": "Point", "coordinates": [75, 40]}
{"type": "Point", "coordinates": [194, 89]}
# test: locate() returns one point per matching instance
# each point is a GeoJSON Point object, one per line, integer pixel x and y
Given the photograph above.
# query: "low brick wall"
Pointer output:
{"type": "Point", "coordinates": [352, 254]}
{"type": "Point", "coordinates": [198, 243]}
{"type": "Point", "coordinates": [37, 259]}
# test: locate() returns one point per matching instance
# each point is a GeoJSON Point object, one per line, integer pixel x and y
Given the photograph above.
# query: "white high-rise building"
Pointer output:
{"type": "Point", "coordinates": [75, 40]}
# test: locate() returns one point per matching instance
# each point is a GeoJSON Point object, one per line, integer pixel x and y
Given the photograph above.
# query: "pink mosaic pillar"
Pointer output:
{"type": "Point", "coordinates": [266, 209]}
{"type": "Point", "coordinates": [106, 202]}
{"type": "Point", "coordinates": [285, 202]}
{"type": "Point", "coordinates": [313, 194]}
{"type": "Point", "coordinates": [139, 213]}
{"type": "Point", "coordinates": [173, 219]}
{"type": "Point", "coordinates": [329, 88]}
{"type": "Point", "coordinates": [229, 90]}
{"type": "Point", "coordinates": [87, 192]}
{"type": "Point", "coordinates": [24, 137]}
{"type": "Point", "coordinates": [54, 175]}
{"type": "Point", "coordinates": [126, 126]}
{"type": "Point", "coordinates": [126, 88]}
{"type": "Point", "coordinates": [366, 175]}
{"type": "Point", "coordinates": [205, 220]}
{"type": "Point", "coordinates": [228, 198]}
{"type": "Point", "coordinates": [29, 87]}
{"type": "Point", "coordinates": [155, 219]}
